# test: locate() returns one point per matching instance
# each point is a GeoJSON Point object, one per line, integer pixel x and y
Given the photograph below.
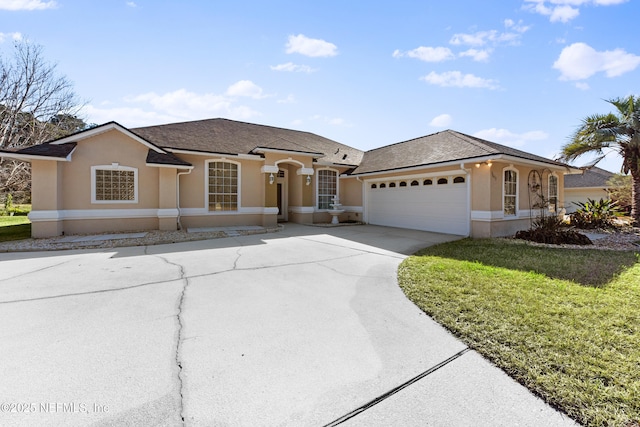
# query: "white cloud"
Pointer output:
{"type": "Point", "coordinates": [131, 4]}
{"type": "Point", "coordinates": [564, 10]}
{"type": "Point", "coordinates": [477, 55]}
{"type": "Point", "coordinates": [516, 26]}
{"type": "Point", "coordinates": [26, 5]}
{"type": "Point", "coordinates": [12, 36]}
{"type": "Point", "coordinates": [246, 88]}
{"type": "Point", "coordinates": [310, 47]}
{"type": "Point", "coordinates": [180, 105]}
{"type": "Point", "coordinates": [580, 61]}
{"type": "Point", "coordinates": [457, 79]}
{"type": "Point", "coordinates": [290, 66]}
{"type": "Point", "coordinates": [288, 100]}
{"type": "Point", "coordinates": [563, 14]}
{"type": "Point", "coordinates": [334, 121]}
{"type": "Point", "coordinates": [582, 86]}
{"type": "Point", "coordinates": [427, 54]}
{"type": "Point", "coordinates": [441, 121]}
{"type": "Point", "coordinates": [511, 139]}
{"type": "Point", "coordinates": [481, 38]}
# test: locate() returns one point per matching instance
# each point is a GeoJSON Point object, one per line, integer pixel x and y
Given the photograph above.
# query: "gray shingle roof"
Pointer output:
{"type": "Point", "coordinates": [165, 159]}
{"type": "Point", "coordinates": [46, 150]}
{"type": "Point", "coordinates": [233, 137]}
{"type": "Point", "coordinates": [593, 177]}
{"type": "Point", "coordinates": [441, 147]}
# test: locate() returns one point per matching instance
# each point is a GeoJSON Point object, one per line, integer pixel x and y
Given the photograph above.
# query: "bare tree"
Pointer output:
{"type": "Point", "coordinates": [36, 104]}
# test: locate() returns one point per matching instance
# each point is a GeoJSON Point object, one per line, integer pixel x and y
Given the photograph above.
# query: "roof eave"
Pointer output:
{"type": "Point", "coordinates": [494, 157]}
{"type": "Point", "coordinates": [164, 165]}
{"type": "Point", "coordinates": [29, 157]}
{"type": "Point", "coordinates": [263, 150]}
{"type": "Point", "coordinates": [213, 153]}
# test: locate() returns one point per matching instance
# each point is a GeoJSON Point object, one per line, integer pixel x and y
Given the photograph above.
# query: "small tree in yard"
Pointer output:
{"type": "Point", "coordinates": [36, 105]}
{"type": "Point", "coordinates": [619, 188]}
{"type": "Point", "coordinates": [619, 131]}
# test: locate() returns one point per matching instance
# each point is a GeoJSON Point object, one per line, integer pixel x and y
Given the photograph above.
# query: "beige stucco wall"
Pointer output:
{"type": "Point", "coordinates": [89, 226]}
{"type": "Point", "coordinates": [581, 195]}
{"type": "Point", "coordinates": [193, 190]}
{"type": "Point", "coordinates": [63, 189]}
{"type": "Point", "coordinates": [104, 149]}
{"type": "Point", "coordinates": [46, 195]}
{"type": "Point", "coordinates": [487, 198]}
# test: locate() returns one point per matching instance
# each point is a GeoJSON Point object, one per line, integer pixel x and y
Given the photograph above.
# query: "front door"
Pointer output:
{"type": "Point", "coordinates": [282, 195]}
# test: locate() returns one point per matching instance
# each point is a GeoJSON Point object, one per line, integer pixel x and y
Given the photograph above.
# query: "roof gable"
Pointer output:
{"type": "Point", "coordinates": [88, 133]}
{"type": "Point", "coordinates": [232, 137]}
{"type": "Point", "coordinates": [437, 148]}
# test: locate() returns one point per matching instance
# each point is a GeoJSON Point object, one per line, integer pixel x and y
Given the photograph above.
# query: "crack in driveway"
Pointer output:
{"type": "Point", "coordinates": [395, 390]}
{"type": "Point", "coordinates": [160, 282]}
{"type": "Point", "coordinates": [180, 327]}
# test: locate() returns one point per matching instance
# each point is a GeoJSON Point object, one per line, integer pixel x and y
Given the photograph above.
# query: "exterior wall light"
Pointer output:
{"type": "Point", "coordinates": [308, 182]}
{"type": "Point", "coordinates": [271, 178]}
{"type": "Point", "coordinates": [488, 163]}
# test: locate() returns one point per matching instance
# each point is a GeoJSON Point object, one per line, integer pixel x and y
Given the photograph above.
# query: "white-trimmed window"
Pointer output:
{"type": "Point", "coordinates": [510, 192]}
{"type": "Point", "coordinates": [114, 184]}
{"type": "Point", "coordinates": [553, 193]}
{"type": "Point", "coordinates": [223, 185]}
{"type": "Point", "coordinates": [327, 182]}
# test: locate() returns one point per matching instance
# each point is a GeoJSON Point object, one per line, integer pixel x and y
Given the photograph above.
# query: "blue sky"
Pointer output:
{"type": "Point", "coordinates": [523, 73]}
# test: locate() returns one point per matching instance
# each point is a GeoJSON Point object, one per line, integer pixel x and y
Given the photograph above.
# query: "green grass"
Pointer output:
{"type": "Point", "coordinates": [563, 322]}
{"type": "Point", "coordinates": [14, 228]}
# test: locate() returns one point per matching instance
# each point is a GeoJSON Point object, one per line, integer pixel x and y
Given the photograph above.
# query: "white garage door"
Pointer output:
{"type": "Point", "coordinates": [432, 204]}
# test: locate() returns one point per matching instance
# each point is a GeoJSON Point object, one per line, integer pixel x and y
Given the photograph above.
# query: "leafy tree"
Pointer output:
{"type": "Point", "coordinates": [619, 187]}
{"type": "Point", "coordinates": [36, 105]}
{"type": "Point", "coordinates": [619, 131]}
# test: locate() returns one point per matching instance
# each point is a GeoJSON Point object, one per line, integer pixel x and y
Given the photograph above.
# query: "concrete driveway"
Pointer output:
{"type": "Point", "coordinates": [305, 327]}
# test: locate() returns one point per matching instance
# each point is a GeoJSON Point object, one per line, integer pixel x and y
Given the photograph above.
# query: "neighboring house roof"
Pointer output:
{"type": "Point", "coordinates": [232, 137]}
{"type": "Point", "coordinates": [589, 178]}
{"type": "Point", "coordinates": [441, 147]}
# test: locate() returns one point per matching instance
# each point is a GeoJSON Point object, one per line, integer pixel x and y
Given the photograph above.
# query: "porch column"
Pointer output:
{"type": "Point", "coordinates": [270, 214]}
{"type": "Point", "coordinates": [305, 215]}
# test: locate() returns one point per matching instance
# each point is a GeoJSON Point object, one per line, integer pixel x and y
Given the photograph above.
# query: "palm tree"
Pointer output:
{"type": "Point", "coordinates": [619, 131]}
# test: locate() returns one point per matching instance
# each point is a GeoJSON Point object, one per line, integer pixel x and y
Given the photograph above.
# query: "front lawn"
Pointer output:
{"type": "Point", "coordinates": [563, 322]}
{"type": "Point", "coordinates": [14, 228]}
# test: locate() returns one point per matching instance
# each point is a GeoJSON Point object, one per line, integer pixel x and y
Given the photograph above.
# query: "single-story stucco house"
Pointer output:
{"type": "Point", "coordinates": [221, 172]}
{"type": "Point", "coordinates": [590, 184]}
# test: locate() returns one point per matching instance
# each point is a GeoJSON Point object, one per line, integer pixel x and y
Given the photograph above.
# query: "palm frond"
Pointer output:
{"type": "Point", "coordinates": [596, 133]}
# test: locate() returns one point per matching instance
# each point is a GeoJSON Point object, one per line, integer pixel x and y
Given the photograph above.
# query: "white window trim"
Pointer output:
{"type": "Point", "coordinates": [553, 174]}
{"type": "Point", "coordinates": [511, 168]}
{"type": "Point", "coordinates": [206, 185]}
{"type": "Point", "coordinates": [112, 167]}
{"type": "Point", "coordinates": [317, 180]}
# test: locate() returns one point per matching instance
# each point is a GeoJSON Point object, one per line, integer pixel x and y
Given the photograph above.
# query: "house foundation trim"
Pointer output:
{"type": "Point", "coordinates": [80, 214]}
{"type": "Point", "coordinates": [257, 210]}
{"type": "Point", "coordinates": [302, 209]}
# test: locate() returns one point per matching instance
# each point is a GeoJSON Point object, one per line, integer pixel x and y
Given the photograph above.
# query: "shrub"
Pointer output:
{"type": "Point", "coordinates": [595, 214]}
{"type": "Point", "coordinates": [552, 230]}
{"type": "Point", "coordinates": [8, 205]}
{"type": "Point", "coordinates": [21, 210]}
